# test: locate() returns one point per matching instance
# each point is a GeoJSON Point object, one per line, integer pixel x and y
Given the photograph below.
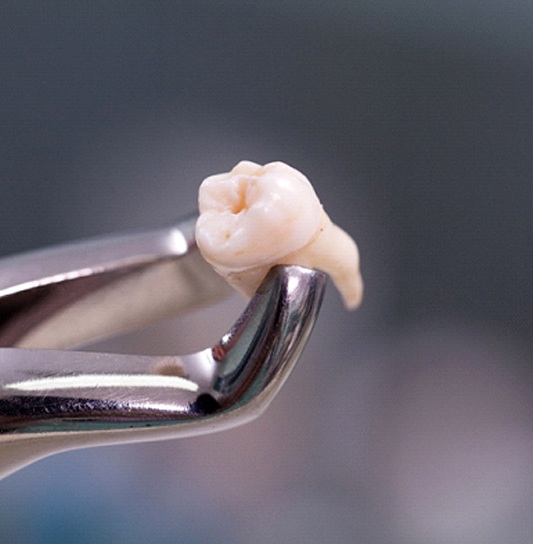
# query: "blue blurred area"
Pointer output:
{"type": "Point", "coordinates": [408, 422]}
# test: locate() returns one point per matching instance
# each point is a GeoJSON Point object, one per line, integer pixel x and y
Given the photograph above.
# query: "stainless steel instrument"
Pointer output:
{"type": "Point", "coordinates": [53, 399]}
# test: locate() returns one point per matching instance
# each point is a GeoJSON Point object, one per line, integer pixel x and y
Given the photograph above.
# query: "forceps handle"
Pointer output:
{"type": "Point", "coordinates": [78, 293]}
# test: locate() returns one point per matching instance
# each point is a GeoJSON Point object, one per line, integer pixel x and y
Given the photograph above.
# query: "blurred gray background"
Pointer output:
{"type": "Point", "coordinates": [407, 422]}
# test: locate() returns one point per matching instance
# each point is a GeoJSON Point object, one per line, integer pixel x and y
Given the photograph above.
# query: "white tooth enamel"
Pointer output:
{"type": "Point", "coordinates": [255, 217]}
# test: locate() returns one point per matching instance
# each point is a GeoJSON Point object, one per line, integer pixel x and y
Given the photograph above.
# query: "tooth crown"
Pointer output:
{"type": "Point", "coordinates": [257, 216]}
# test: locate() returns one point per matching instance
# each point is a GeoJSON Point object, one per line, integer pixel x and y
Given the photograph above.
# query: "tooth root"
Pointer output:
{"type": "Point", "coordinates": [333, 251]}
{"type": "Point", "coordinates": [247, 281]}
{"type": "Point", "coordinates": [283, 223]}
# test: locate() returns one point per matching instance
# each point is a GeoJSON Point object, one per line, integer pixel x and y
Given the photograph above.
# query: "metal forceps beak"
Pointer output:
{"type": "Point", "coordinates": [53, 399]}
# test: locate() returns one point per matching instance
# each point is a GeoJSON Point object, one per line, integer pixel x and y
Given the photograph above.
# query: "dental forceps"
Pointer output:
{"type": "Point", "coordinates": [54, 399]}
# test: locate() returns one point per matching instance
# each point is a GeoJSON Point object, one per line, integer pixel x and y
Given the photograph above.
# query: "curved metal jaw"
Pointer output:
{"type": "Point", "coordinates": [54, 400]}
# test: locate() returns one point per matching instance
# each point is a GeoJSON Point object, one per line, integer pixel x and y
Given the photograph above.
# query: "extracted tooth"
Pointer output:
{"type": "Point", "coordinates": [255, 217]}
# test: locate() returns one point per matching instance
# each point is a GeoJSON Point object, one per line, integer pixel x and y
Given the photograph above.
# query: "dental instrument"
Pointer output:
{"type": "Point", "coordinates": [54, 399]}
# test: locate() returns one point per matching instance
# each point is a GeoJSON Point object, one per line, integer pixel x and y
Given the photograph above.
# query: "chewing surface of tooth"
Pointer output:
{"type": "Point", "coordinates": [255, 217]}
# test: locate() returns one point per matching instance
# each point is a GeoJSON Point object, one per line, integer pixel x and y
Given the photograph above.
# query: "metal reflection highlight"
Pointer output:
{"type": "Point", "coordinates": [98, 381]}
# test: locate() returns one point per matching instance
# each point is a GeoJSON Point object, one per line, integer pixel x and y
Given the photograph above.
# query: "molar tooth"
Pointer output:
{"type": "Point", "coordinates": [255, 217]}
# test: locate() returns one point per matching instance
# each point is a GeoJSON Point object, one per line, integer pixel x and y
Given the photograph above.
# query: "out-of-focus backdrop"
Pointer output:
{"type": "Point", "coordinates": [407, 422]}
